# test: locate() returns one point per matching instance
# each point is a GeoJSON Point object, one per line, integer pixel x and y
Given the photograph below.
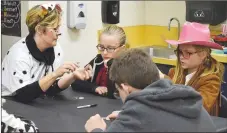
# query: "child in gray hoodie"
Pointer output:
{"type": "Point", "coordinates": [150, 103]}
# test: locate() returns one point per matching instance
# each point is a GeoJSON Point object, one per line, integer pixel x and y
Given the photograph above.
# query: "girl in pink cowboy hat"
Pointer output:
{"type": "Point", "coordinates": [195, 66]}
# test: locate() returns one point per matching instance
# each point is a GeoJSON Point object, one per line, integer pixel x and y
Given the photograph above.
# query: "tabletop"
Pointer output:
{"type": "Point", "coordinates": [60, 113]}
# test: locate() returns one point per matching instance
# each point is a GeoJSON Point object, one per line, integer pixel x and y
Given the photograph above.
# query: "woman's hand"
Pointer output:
{"type": "Point", "coordinates": [78, 74]}
{"type": "Point", "coordinates": [65, 68]}
{"type": "Point", "coordinates": [82, 74]}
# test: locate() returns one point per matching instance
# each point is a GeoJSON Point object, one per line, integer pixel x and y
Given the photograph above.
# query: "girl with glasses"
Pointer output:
{"type": "Point", "coordinates": [111, 41]}
{"type": "Point", "coordinates": [195, 65]}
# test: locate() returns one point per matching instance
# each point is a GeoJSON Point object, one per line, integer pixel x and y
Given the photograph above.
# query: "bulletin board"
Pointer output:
{"type": "Point", "coordinates": [11, 17]}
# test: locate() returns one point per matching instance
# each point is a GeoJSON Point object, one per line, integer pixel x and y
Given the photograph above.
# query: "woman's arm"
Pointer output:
{"type": "Point", "coordinates": [66, 81]}
{"type": "Point", "coordinates": [31, 91]}
{"type": "Point", "coordinates": [48, 80]}
{"type": "Point", "coordinates": [47, 84]}
{"type": "Point", "coordinates": [22, 86]}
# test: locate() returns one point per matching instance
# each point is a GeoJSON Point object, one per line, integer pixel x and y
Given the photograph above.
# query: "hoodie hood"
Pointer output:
{"type": "Point", "coordinates": [162, 94]}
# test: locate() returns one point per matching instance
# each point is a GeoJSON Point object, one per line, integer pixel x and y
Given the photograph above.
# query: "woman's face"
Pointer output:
{"type": "Point", "coordinates": [50, 35]}
{"type": "Point", "coordinates": [189, 57]}
{"type": "Point", "coordinates": [109, 46]}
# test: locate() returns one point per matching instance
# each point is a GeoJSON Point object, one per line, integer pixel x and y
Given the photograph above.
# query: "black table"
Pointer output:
{"type": "Point", "coordinates": [60, 113]}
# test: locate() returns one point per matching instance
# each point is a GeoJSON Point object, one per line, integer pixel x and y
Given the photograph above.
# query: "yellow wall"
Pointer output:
{"type": "Point", "coordinates": [156, 35]}
{"type": "Point", "coordinates": [148, 35]}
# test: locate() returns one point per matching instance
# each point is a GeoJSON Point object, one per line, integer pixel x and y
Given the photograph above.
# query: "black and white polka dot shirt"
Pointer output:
{"type": "Point", "coordinates": [20, 68]}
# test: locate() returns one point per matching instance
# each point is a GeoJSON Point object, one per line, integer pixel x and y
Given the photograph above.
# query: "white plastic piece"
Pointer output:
{"type": "Point", "coordinates": [79, 98]}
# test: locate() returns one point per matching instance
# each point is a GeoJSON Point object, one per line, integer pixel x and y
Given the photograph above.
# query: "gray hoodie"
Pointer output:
{"type": "Point", "coordinates": [163, 107]}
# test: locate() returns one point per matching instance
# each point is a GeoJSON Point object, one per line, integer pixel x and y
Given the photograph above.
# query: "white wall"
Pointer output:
{"type": "Point", "coordinates": [132, 13]}
{"type": "Point", "coordinates": [160, 12]}
{"type": "Point", "coordinates": [79, 45]}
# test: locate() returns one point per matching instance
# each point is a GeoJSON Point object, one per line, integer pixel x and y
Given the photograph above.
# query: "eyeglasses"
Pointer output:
{"type": "Point", "coordinates": [46, 8]}
{"type": "Point", "coordinates": [56, 29]}
{"type": "Point", "coordinates": [101, 48]}
{"type": "Point", "coordinates": [186, 55]}
{"type": "Point", "coordinates": [116, 93]}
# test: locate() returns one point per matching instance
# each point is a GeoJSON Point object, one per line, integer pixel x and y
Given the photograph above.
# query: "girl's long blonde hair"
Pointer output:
{"type": "Point", "coordinates": [209, 66]}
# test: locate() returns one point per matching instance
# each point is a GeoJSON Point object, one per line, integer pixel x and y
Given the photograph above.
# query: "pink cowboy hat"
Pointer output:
{"type": "Point", "coordinates": [195, 34]}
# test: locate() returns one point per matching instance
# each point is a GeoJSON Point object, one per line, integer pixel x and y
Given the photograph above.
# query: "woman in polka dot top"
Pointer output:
{"type": "Point", "coordinates": [33, 65]}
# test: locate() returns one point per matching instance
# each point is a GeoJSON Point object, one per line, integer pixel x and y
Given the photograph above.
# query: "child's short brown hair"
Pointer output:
{"type": "Point", "coordinates": [135, 68]}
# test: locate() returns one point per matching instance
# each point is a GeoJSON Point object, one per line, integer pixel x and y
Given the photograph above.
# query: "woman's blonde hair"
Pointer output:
{"type": "Point", "coordinates": [209, 66]}
{"type": "Point", "coordinates": [118, 31]}
{"type": "Point", "coordinates": [36, 17]}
